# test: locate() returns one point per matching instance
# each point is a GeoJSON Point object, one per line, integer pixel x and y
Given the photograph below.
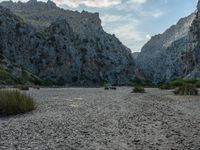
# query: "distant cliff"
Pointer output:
{"type": "Point", "coordinates": [161, 59]}
{"type": "Point", "coordinates": [66, 47]}
{"type": "Point", "coordinates": [192, 56]}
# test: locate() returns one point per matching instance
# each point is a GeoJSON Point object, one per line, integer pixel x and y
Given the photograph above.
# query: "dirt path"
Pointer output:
{"type": "Point", "coordinates": [94, 119]}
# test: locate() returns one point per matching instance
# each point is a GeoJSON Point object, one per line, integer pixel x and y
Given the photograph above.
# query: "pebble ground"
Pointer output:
{"type": "Point", "coordinates": [95, 119]}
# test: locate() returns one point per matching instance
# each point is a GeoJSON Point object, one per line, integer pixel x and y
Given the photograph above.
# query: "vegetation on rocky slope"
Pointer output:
{"type": "Point", "coordinates": [180, 83]}
{"type": "Point", "coordinates": [25, 78]}
{"type": "Point", "coordinates": [6, 77]}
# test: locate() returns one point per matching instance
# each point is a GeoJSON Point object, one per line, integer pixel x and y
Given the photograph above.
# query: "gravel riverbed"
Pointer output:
{"type": "Point", "coordinates": [95, 119]}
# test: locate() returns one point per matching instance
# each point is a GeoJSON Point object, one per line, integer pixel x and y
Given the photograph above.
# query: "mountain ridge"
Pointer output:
{"type": "Point", "coordinates": [70, 51]}
{"type": "Point", "coordinates": [160, 58]}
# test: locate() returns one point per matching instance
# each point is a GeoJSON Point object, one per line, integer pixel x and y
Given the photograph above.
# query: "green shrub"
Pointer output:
{"type": "Point", "coordinates": [6, 77]}
{"type": "Point", "coordinates": [106, 88]}
{"type": "Point", "coordinates": [22, 87]}
{"type": "Point", "coordinates": [1, 57]}
{"type": "Point", "coordinates": [137, 82]}
{"type": "Point", "coordinates": [187, 89]}
{"type": "Point", "coordinates": [138, 89]}
{"type": "Point", "coordinates": [192, 81]}
{"type": "Point", "coordinates": [113, 88]}
{"type": "Point", "coordinates": [35, 87]}
{"type": "Point", "coordinates": [177, 83]}
{"type": "Point", "coordinates": [14, 102]}
{"type": "Point", "coordinates": [197, 84]}
{"type": "Point", "coordinates": [166, 86]}
{"type": "Point", "coordinates": [28, 77]}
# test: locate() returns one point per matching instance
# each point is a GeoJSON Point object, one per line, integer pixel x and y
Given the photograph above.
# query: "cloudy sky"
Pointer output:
{"type": "Point", "coordinates": [134, 21]}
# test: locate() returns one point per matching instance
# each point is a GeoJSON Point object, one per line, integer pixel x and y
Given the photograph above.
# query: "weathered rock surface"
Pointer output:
{"type": "Point", "coordinates": [175, 53]}
{"type": "Point", "coordinates": [192, 57]}
{"type": "Point", "coordinates": [63, 46]}
{"type": "Point", "coordinates": [161, 58]}
{"type": "Point", "coordinates": [135, 55]}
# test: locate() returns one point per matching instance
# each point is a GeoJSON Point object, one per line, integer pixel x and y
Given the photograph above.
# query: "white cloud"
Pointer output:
{"type": "Point", "coordinates": [126, 28]}
{"type": "Point", "coordinates": [88, 3]}
{"type": "Point", "coordinates": [99, 3]}
{"type": "Point", "coordinates": [148, 36]}
{"type": "Point", "coordinates": [131, 36]}
{"type": "Point", "coordinates": [137, 1]}
{"type": "Point", "coordinates": [155, 13]}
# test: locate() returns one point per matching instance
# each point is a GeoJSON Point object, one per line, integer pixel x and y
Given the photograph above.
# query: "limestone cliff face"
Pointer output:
{"type": "Point", "coordinates": [63, 46]}
{"type": "Point", "coordinates": [192, 57]}
{"type": "Point", "coordinates": [175, 53]}
{"type": "Point", "coordinates": [41, 15]}
{"type": "Point", "coordinates": [160, 59]}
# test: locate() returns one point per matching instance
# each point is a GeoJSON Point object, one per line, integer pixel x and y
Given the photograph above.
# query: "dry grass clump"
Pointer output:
{"type": "Point", "coordinates": [187, 89]}
{"type": "Point", "coordinates": [14, 102]}
{"type": "Point", "coordinates": [138, 90]}
{"type": "Point", "coordinates": [22, 87]}
{"type": "Point", "coordinates": [35, 87]}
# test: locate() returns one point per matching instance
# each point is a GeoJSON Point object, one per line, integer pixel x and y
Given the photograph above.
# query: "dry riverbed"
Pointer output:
{"type": "Point", "coordinates": [95, 119]}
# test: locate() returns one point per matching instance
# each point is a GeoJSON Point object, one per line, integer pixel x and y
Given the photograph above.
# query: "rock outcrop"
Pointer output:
{"type": "Point", "coordinates": [161, 59]}
{"type": "Point", "coordinates": [66, 47]}
{"type": "Point", "coordinates": [192, 57]}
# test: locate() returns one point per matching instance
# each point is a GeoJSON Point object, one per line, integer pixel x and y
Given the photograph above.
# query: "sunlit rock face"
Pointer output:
{"type": "Point", "coordinates": [192, 57]}
{"type": "Point", "coordinates": [67, 47]}
{"type": "Point", "coordinates": [160, 59]}
{"type": "Point", "coordinates": [175, 53]}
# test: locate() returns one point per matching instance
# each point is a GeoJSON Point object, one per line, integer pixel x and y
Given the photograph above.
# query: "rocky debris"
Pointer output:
{"type": "Point", "coordinates": [86, 119]}
{"type": "Point", "coordinates": [68, 48]}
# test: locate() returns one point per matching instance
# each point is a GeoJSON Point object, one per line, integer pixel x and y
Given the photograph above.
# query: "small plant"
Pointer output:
{"type": "Point", "coordinates": [166, 86]}
{"type": "Point", "coordinates": [197, 84]}
{"type": "Point", "coordinates": [113, 88]}
{"type": "Point", "coordinates": [177, 83]}
{"type": "Point", "coordinates": [187, 89]}
{"type": "Point", "coordinates": [6, 77]}
{"type": "Point", "coordinates": [14, 102]}
{"type": "Point", "coordinates": [36, 87]}
{"type": "Point", "coordinates": [138, 90]}
{"type": "Point", "coordinates": [106, 88]}
{"type": "Point", "coordinates": [22, 87]}
{"type": "Point", "coordinates": [182, 82]}
{"type": "Point", "coordinates": [1, 57]}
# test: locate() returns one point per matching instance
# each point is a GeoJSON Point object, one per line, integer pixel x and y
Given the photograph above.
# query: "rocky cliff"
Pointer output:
{"type": "Point", "coordinates": [66, 47]}
{"type": "Point", "coordinates": [161, 59]}
{"type": "Point", "coordinates": [192, 57]}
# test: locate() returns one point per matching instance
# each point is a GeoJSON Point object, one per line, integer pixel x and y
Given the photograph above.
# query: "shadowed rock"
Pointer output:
{"type": "Point", "coordinates": [63, 46]}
